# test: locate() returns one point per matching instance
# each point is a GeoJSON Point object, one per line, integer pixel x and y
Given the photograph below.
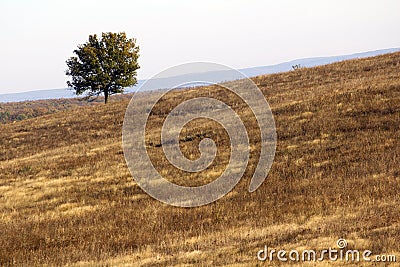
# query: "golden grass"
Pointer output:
{"type": "Point", "coordinates": [67, 198]}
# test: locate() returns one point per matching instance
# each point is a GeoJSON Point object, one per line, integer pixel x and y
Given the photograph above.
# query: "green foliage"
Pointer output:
{"type": "Point", "coordinates": [104, 66]}
{"type": "Point", "coordinates": [21, 117]}
{"type": "Point", "coordinates": [4, 116]}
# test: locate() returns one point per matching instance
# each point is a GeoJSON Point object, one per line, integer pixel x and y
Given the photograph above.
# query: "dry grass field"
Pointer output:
{"type": "Point", "coordinates": [18, 111]}
{"type": "Point", "coordinates": [67, 197]}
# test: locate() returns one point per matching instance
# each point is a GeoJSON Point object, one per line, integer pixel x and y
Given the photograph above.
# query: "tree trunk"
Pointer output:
{"type": "Point", "coordinates": [105, 96]}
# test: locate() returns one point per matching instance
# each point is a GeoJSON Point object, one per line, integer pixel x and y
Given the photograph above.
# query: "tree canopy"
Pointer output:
{"type": "Point", "coordinates": [104, 66]}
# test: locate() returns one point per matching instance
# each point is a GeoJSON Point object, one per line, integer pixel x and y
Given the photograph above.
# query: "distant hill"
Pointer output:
{"type": "Point", "coordinates": [37, 95]}
{"type": "Point", "coordinates": [217, 76]}
{"type": "Point", "coordinates": [312, 62]}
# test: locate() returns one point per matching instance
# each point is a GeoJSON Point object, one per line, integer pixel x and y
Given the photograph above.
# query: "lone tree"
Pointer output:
{"type": "Point", "coordinates": [104, 66]}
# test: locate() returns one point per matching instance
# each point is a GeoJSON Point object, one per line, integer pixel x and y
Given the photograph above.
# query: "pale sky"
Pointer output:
{"type": "Point", "coordinates": [37, 37]}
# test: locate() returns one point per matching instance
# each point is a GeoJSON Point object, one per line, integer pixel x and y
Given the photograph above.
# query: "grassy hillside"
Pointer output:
{"type": "Point", "coordinates": [66, 195]}
{"type": "Point", "coordinates": [18, 111]}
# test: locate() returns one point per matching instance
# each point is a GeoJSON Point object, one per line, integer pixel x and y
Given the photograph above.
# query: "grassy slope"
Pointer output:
{"type": "Point", "coordinates": [66, 196]}
{"type": "Point", "coordinates": [18, 111]}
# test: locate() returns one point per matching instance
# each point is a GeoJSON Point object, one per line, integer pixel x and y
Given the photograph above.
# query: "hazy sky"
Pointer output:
{"type": "Point", "coordinates": [38, 36]}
